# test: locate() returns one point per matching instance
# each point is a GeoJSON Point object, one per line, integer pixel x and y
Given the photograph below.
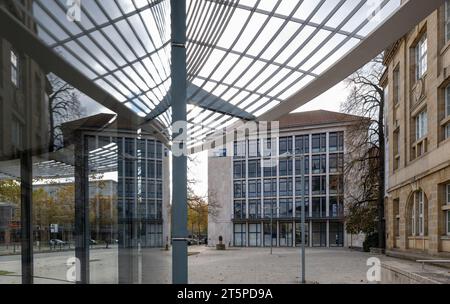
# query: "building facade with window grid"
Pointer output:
{"type": "Point", "coordinates": [143, 195]}
{"type": "Point", "coordinates": [417, 86]}
{"type": "Point", "coordinates": [263, 202]}
{"type": "Point", "coordinates": [24, 91]}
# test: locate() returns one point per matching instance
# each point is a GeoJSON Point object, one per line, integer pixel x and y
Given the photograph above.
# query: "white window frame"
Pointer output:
{"type": "Point", "coordinates": [421, 51]}
{"type": "Point", "coordinates": [418, 214]}
{"type": "Point", "coordinates": [421, 125]}
{"type": "Point", "coordinates": [15, 68]}
{"type": "Point", "coordinates": [421, 205]}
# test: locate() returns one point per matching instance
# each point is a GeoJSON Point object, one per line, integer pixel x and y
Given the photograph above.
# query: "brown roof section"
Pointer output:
{"type": "Point", "coordinates": [319, 117]}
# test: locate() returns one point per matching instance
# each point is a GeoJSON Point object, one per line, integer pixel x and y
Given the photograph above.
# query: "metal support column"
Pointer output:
{"type": "Point", "coordinates": [82, 233]}
{"type": "Point", "coordinates": [302, 225]}
{"type": "Point", "coordinates": [26, 197]}
{"type": "Point", "coordinates": [179, 128]}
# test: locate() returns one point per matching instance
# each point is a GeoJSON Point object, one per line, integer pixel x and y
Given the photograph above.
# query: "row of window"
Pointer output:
{"type": "Point", "coordinates": [142, 148]}
{"type": "Point", "coordinates": [421, 131]}
{"type": "Point", "coordinates": [285, 167]}
{"type": "Point", "coordinates": [146, 210]}
{"type": "Point", "coordinates": [151, 235]}
{"type": "Point", "coordinates": [144, 189]}
{"type": "Point", "coordinates": [290, 144]}
{"type": "Point", "coordinates": [268, 187]}
{"type": "Point", "coordinates": [144, 169]}
{"type": "Point", "coordinates": [270, 236]}
{"type": "Point", "coordinates": [421, 119]}
{"type": "Point", "coordinates": [285, 208]}
{"type": "Point", "coordinates": [418, 214]}
{"type": "Point", "coordinates": [129, 147]}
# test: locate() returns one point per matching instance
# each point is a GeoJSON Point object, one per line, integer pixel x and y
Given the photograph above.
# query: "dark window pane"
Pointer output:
{"type": "Point", "coordinates": [319, 207]}
{"type": "Point", "coordinates": [298, 185]}
{"type": "Point", "coordinates": [298, 168]}
{"type": "Point", "coordinates": [298, 207]}
{"type": "Point", "coordinates": [254, 168]}
{"type": "Point", "coordinates": [336, 235]}
{"type": "Point", "coordinates": [129, 146]}
{"type": "Point", "coordinates": [318, 142]}
{"type": "Point", "coordinates": [302, 144]}
{"type": "Point", "coordinates": [319, 234]}
{"type": "Point", "coordinates": [285, 145]}
{"type": "Point", "coordinates": [253, 148]}
{"type": "Point", "coordinates": [318, 185]}
{"type": "Point", "coordinates": [151, 149]}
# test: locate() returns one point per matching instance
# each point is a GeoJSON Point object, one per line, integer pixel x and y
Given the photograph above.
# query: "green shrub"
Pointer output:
{"type": "Point", "coordinates": [370, 241]}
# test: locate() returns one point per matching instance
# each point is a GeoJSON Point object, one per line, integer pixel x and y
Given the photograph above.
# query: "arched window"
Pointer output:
{"type": "Point", "coordinates": [418, 214]}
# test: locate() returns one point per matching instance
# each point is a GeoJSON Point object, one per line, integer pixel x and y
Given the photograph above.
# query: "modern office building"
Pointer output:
{"type": "Point", "coordinates": [258, 195]}
{"type": "Point", "coordinates": [140, 163]}
{"type": "Point", "coordinates": [418, 121]}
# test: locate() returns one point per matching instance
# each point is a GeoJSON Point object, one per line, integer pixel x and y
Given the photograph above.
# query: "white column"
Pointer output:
{"type": "Point", "coordinates": [246, 149]}
{"type": "Point", "coordinates": [327, 171]}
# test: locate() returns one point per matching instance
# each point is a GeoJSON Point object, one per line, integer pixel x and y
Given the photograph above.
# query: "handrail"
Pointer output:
{"type": "Point", "coordinates": [431, 261]}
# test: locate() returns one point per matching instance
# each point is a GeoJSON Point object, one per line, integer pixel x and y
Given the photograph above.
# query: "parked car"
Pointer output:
{"type": "Point", "coordinates": [192, 242]}
{"type": "Point", "coordinates": [56, 242]}
{"type": "Point", "coordinates": [92, 242]}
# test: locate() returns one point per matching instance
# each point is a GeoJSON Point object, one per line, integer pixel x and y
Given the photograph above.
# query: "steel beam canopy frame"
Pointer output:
{"type": "Point", "coordinates": [396, 25]}
{"type": "Point", "coordinates": [249, 57]}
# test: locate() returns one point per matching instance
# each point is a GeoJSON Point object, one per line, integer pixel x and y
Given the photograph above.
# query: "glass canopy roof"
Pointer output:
{"type": "Point", "coordinates": [243, 57]}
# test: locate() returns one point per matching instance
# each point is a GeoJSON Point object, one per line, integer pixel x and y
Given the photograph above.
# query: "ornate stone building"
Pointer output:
{"type": "Point", "coordinates": [24, 92]}
{"type": "Point", "coordinates": [418, 129]}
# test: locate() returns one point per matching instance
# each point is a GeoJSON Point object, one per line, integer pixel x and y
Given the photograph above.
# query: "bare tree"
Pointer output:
{"type": "Point", "coordinates": [63, 105]}
{"type": "Point", "coordinates": [213, 204]}
{"type": "Point", "coordinates": [367, 150]}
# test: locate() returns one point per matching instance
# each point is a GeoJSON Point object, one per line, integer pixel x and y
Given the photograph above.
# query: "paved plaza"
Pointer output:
{"type": "Point", "coordinates": [207, 265]}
